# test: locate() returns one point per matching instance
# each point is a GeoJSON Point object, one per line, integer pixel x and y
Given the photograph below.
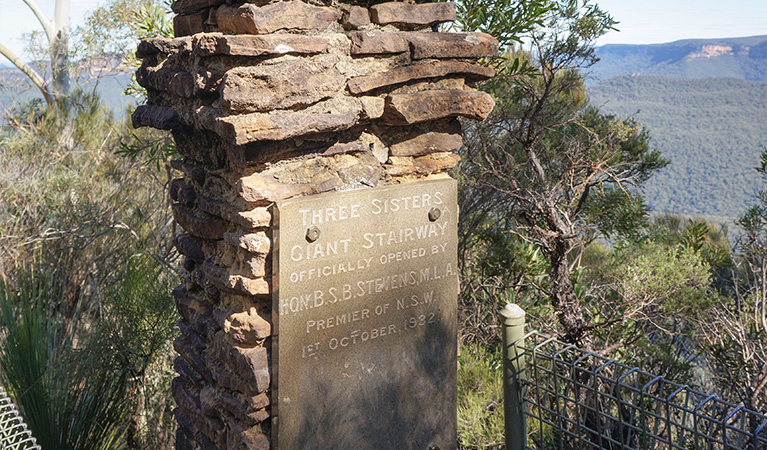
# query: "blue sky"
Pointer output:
{"type": "Point", "coordinates": [641, 21]}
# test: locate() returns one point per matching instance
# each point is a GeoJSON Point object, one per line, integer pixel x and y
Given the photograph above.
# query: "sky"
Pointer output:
{"type": "Point", "coordinates": [641, 21]}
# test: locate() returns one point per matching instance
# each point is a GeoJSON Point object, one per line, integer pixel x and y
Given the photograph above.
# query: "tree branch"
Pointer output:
{"type": "Point", "coordinates": [35, 77]}
{"type": "Point", "coordinates": [47, 25]}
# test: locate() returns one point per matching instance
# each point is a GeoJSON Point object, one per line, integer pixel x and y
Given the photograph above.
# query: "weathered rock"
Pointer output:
{"type": "Point", "coordinates": [405, 74]}
{"type": "Point", "coordinates": [207, 81]}
{"type": "Point", "coordinates": [401, 13]}
{"type": "Point", "coordinates": [247, 45]}
{"type": "Point", "coordinates": [252, 364]}
{"type": "Point", "coordinates": [223, 279]}
{"type": "Point", "coordinates": [283, 15]}
{"type": "Point", "coordinates": [407, 109]}
{"type": "Point", "coordinates": [452, 45]}
{"type": "Point", "coordinates": [354, 17]}
{"type": "Point", "coordinates": [187, 247]}
{"type": "Point", "coordinates": [195, 225]}
{"type": "Point", "coordinates": [153, 46]}
{"type": "Point", "coordinates": [160, 117]}
{"type": "Point", "coordinates": [182, 368]}
{"type": "Point", "coordinates": [245, 325]}
{"type": "Point", "coordinates": [189, 24]}
{"type": "Point", "coordinates": [377, 42]}
{"type": "Point", "coordinates": [419, 144]}
{"type": "Point", "coordinates": [258, 243]}
{"type": "Point", "coordinates": [184, 346]}
{"type": "Point", "coordinates": [190, 6]}
{"type": "Point", "coordinates": [286, 84]}
{"type": "Point", "coordinates": [423, 165]}
{"type": "Point", "coordinates": [246, 128]}
{"type": "Point", "coordinates": [177, 82]}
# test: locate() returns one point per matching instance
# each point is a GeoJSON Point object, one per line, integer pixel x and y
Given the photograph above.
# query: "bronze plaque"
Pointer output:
{"type": "Point", "coordinates": [365, 310]}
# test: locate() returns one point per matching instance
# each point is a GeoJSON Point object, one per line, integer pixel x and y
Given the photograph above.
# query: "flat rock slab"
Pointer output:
{"type": "Point", "coordinates": [408, 109]}
{"type": "Point", "coordinates": [377, 42]}
{"type": "Point", "coordinates": [417, 72]}
{"type": "Point", "coordinates": [246, 128]}
{"type": "Point", "coordinates": [445, 138]}
{"type": "Point", "coordinates": [401, 13]}
{"type": "Point", "coordinates": [365, 319]}
{"type": "Point", "coordinates": [452, 45]}
{"type": "Point", "coordinates": [291, 83]}
{"type": "Point", "coordinates": [290, 15]}
{"type": "Point", "coordinates": [190, 6]}
{"type": "Point", "coordinates": [153, 46]}
{"type": "Point", "coordinates": [248, 45]}
{"type": "Point", "coordinates": [159, 117]}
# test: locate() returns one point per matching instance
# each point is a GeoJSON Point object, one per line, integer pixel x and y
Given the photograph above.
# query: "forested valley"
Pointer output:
{"type": "Point", "coordinates": [567, 208]}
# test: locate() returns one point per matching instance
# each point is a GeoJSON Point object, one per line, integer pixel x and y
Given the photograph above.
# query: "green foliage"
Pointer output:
{"type": "Point", "coordinates": [709, 128]}
{"type": "Point", "coordinates": [506, 20]}
{"type": "Point", "coordinates": [98, 227]}
{"type": "Point", "coordinates": [480, 397]}
{"type": "Point", "coordinates": [55, 380]}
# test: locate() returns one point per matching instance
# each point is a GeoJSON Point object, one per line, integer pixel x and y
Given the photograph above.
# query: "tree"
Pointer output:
{"type": "Point", "coordinates": [57, 34]}
{"type": "Point", "coordinates": [553, 169]}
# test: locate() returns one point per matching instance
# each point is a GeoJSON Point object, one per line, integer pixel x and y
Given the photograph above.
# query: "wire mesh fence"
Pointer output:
{"type": "Point", "coordinates": [579, 400]}
{"type": "Point", "coordinates": [14, 434]}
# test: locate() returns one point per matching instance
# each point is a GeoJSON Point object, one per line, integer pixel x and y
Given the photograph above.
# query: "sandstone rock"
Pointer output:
{"type": "Point", "coordinates": [406, 109]}
{"type": "Point", "coordinates": [195, 173]}
{"type": "Point", "coordinates": [189, 24]}
{"type": "Point", "coordinates": [423, 165]}
{"type": "Point", "coordinates": [404, 74]}
{"type": "Point", "coordinates": [207, 81]}
{"type": "Point", "coordinates": [256, 218]}
{"type": "Point", "coordinates": [283, 15]}
{"type": "Point", "coordinates": [287, 84]}
{"type": "Point", "coordinates": [259, 187]}
{"type": "Point", "coordinates": [431, 142]}
{"type": "Point", "coordinates": [258, 243]}
{"type": "Point", "coordinates": [223, 279]}
{"type": "Point", "coordinates": [252, 364]}
{"type": "Point", "coordinates": [187, 247]}
{"type": "Point", "coordinates": [183, 397]}
{"type": "Point", "coordinates": [354, 17]}
{"type": "Point", "coordinates": [247, 45]}
{"type": "Point", "coordinates": [246, 128]}
{"type": "Point", "coordinates": [452, 45]}
{"type": "Point", "coordinates": [176, 82]}
{"type": "Point", "coordinates": [192, 354]}
{"type": "Point", "coordinates": [401, 13]}
{"type": "Point", "coordinates": [198, 226]}
{"type": "Point", "coordinates": [377, 42]}
{"type": "Point", "coordinates": [153, 46]}
{"type": "Point", "coordinates": [182, 368]}
{"type": "Point", "coordinates": [189, 6]}
{"type": "Point", "coordinates": [246, 325]}
{"type": "Point", "coordinates": [373, 107]}
{"type": "Point", "coordinates": [160, 117]}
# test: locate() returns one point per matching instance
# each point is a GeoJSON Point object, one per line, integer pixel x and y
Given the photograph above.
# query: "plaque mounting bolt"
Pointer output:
{"type": "Point", "coordinates": [434, 214]}
{"type": "Point", "coordinates": [312, 234]}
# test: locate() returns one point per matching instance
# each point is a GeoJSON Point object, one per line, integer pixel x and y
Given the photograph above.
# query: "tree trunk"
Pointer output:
{"type": "Point", "coordinates": [565, 301]}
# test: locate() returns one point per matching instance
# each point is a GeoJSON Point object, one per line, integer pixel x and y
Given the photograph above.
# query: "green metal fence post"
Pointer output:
{"type": "Point", "coordinates": [513, 374]}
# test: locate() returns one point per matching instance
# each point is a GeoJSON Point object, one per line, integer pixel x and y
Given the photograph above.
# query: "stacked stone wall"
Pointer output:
{"type": "Point", "coordinates": [272, 100]}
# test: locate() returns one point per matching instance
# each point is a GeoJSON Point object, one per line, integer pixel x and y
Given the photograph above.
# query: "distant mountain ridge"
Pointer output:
{"type": "Point", "coordinates": [744, 58]}
{"type": "Point", "coordinates": [704, 102]}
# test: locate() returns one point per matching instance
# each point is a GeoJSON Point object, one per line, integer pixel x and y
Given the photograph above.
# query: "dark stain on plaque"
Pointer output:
{"type": "Point", "coordinates": [366, 319]}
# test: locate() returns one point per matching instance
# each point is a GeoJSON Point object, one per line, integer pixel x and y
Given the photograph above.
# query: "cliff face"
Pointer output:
{"type": "Point", "coordinates": [744, 58]}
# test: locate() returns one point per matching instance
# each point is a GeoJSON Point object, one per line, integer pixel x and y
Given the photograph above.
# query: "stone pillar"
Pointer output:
{"type": "Point", "coordinates": [269, 101]}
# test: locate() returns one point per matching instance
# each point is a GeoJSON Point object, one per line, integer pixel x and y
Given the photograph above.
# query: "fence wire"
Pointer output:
{"type": "Point", "coordinates": [579, 400]}
{"type": "Point", "coordinates": [14, 434]}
